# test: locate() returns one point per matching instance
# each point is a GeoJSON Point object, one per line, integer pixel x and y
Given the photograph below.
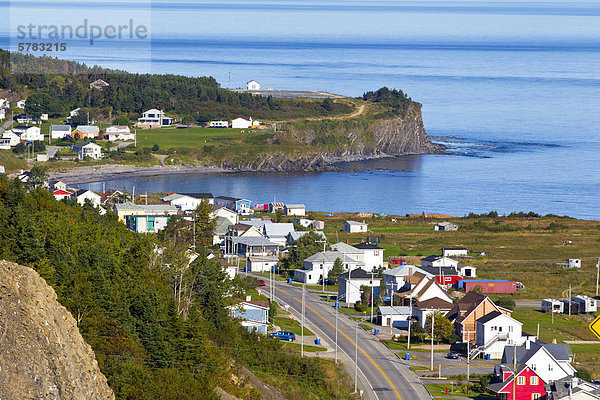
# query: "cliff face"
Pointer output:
{"type": "Point", "coordinates": [43, 355]}
{"type": "Point", "coordinates": [347, 140]}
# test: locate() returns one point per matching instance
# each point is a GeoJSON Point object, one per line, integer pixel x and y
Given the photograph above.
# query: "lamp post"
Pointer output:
{"type": "Point", "coordinates": [432, 324]}
{"type": "Point", "coordinates": [337, 306]}
{"type": "Point", "coordinates": [302, 327]}
{"type": "Point", "coordinates": [356, 355]}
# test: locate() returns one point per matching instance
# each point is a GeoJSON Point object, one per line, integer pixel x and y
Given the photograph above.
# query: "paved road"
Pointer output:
{"type": "Point", "coordinates": [120, 145]}
{"type": "Point", "coordinates": [6, 126]}
{"type": "Point", "coordinates": [382, 375]}
{"type": "Point", "coordinates": [52, 150]}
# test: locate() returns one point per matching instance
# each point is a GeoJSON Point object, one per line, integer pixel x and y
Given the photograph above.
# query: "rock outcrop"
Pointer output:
{"type": "Point", "coordinates": [42, 353]}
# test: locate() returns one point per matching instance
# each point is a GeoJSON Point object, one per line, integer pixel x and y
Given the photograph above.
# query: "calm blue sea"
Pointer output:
{"type": "Point", "coordinates": [516, 85]}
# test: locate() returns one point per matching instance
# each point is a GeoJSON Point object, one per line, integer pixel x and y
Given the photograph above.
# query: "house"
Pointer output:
{"type": "Point", "coordinates": [421, 287]}
{"type": "Point", "coordinates": [28, 133]}
{"type": "Point", "coordinates": [4, 103]}
{"type": "Point", "coordinates": [293, 236]}
{"type": "Point", "coordinates": [550, 362]}
{"type": "Point", "coordinates": [26, 119]}
{"type": "Point", "coordinates": [82, 195]}
{"type": "Point", "coordinates": [398, 316]}
{"type": "Point", "coordinates": [218, 124]}
{"type": "Point", "coordinates": [262, 263]}
{"type": "Point", "coordinates": [6, 143]}
{"type": "Point", "coordinates": [150, 218]}
{"type": "Point", "coordinates": [44, 117]}
{"type": "Point", "coordinates": [572, 388]}
{"type": "Point", "coordinates": [276, 207]}
{"type": "Point", "coordinates": [372, 255]}
{"type": "Point", "coordinates": [2, 170]}
{"type": "Point", "coordinates": [41, 157]}
{"type": "Point", "coordinates": [306, 223]}
{"type": "Point", "coordinates": [253, 85]}
{"type": "Point", "coordinates": [438, 261]}
{"type": "Point", "coordinates": [85, 149]}
{"type": "Point", "coordinates": [2, 113]}
{"type": "Point", "coordinates": [221, 228]}
{"type": "Point", "coordinates": [21, 104]}
{"type": "Point", "coordinates": [349, 284]}
{"type": "Point", "coordinates": [110, 195]}
{"type": "Point", "coordinates": [586, 304]}
{"type": "Point", "coordinates": [444, 275]}
{"type": "Point", "coordinates": [73, 113]}
{"type": "Point", "coordinates": [59, 185]}
{"type": "Point", "coordinates": [423, 308]}
{"type": "Point", "coordinates": [318, 224]}
{"type": "Point", "coordinates": [245, 246]}
{"type": "Point", "coordinates": [494, 332]}
{"type": "Point", "coordinates": [118, 132]}
{"type": "Point", "coordinates": [188, 201]}
{"type": "Point", "coordinates": [86, 132]}
{"type": "Point", "coordinates": [62, 194]}
{"type": "Point", "coordinates": [350, 251]}
{"type": "Point", "coordinates": [574, 263]}
{"type": "Point", "coordinates": [488, 286]}
{"type": "Point", "coordinates": [127, 209]}
{"type": "Point", "coordinates": [278, 232]}
{"type": "Point", "coordinates": [318, 266]}
{"type": "Point", "coordinates": [395, 278]}
{"type": "Point", "coordinates": [526, 384]}
{"type": "Point", "coordinates": [225, 213]}
{"type": "Point", "coordinates": [466, 271]}
{"type": "Point", "coordinates": [60, 131]}
{"type": "Point", "coordinates": [467, 311]}
{"type": "Point", "coordinates": [254, 314]}
{"type": "Point", "coordinates": [553, 305]}
{"type": "Point", "coordinates": [241, 123]}
{"type": "Point", "coordinates": [294, 209]}
{"type": "Point", "coordinates": [355, 227]}
{"type": "Point", "coordinates": [455, 252]}
{"type": "Point", "coordinates": [154, 119]}
{"type": "Point", "coordinates": [99, 84]}
{"type": "Point", "coordinates": [445, 226]}
{"type": "Point", "coordinates": [233, 203]}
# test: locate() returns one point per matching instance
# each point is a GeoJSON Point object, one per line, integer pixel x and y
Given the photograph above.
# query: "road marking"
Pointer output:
{"type": "Point", "coordinates": [360, 348]}
{"type": "Point", "coordinates": [275, 287]}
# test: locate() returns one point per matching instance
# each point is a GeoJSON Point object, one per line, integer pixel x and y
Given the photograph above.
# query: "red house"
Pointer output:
{"type": "Point", "coordinates": [527, 386]}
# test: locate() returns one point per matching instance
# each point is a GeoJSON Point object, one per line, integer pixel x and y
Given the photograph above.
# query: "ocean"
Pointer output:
{"type": "Point", "coordinates": [512, 88]}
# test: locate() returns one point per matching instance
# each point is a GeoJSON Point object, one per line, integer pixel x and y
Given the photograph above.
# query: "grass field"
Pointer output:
{"type": "Point", "coordinates": [564, 327]}
{"type": "Point", "coordinates": [296, 347]}
{"type": "Point", "coordinates": [188, 137]}
{"type": "Point", "coordinates": [438, 391]}
{"type": "Point", "coordinates": [287, 324]}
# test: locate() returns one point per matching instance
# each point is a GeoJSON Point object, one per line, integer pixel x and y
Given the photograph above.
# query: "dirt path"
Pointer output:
{"type": "Point", "coordinates": [358, 111]}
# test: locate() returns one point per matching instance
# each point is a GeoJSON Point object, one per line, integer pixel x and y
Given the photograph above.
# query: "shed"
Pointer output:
{"type": "Point", "coordinates": [355, 227]}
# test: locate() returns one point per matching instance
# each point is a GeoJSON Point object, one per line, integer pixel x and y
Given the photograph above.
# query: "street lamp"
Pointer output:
{"type": "Point", "coordinates": [337, 306]}
{"type": "Point", "coordinates": [356, 354]}
{"type": "Point", "coordinates": [302, 327]}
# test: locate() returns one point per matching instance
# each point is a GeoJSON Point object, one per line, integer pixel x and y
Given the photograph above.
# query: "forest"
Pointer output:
{"type": "Point", "coordinates": [158, 325]}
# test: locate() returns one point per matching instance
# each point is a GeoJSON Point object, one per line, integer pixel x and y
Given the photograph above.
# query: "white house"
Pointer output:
{"type": "Point", "coordinates": [9, 139]}
{"type": "Point", "coordinates": [253, 85]}
{"type": "Point", "coordinates": [421, 288]}
{"type": "Point", "coordinates": [466, 271]}
{"type": "Point", "coordinates": [550, 362]}
{"type": "Point", "coordinates": [445, 226]}
{"type": "Point", "coordinates": [372, 255]}
{"type": "Point", "coordinates": [355, 227]}
{"type": "Point", "coordinates": [397, 316]}
{"type": "Point", "coordinates": [574, 263]}
{"type": "Point", "coordinates": [262, 263]}
{"type": "Point", "coordinates": [295, 210]}
{"type": "Point", "coordinates": [218, 124]}
{"type": "Point", "coordinates": [73, 113]}
{"type": "Point", "coordinates": [438, 261]}
{"type": "Point", "coordinates": [572, 388]}
{"type": "Point", "coordinates": [21, 104]}
{"type": "Point", "coordinates": [350, 282]}
{"type": "Point", "coordinates": [495, 331]}
{"type": "Point", "coordinates": [241, 123]}
{"type": "Point", "coordinates": [188, 201]}
{"type": "Point", "coordinates": [278, 232]}
{"type": "Point", "coordinates": [318, 266]}
{"type": "Point", "coordinates": [119, 132]}
{"type": "Point", "coordinates": [4, 103]}
{"type": "Point", "coordinates": [60, 131]}
{"type": "Point", "coordinates": [307, 223]}
{"type": "Point", "coordinates": [31, 134]}
{"type": "Point", "coordinates": [245, 246]}
{"type": "Point", "coordinates": [149, 218]}
{"type": "Point", "coordinates": [82, 195]}
{"type": "Point", "coordinates": [154, 118]}
{"type": "Point", "coordinates": [91, 150]}
{"type": "Point", "coordinates": [424, 308]}
{"type": "Point", "coordinates": [225, 213]}
{"type": "Point", "coordinates": [396, 278]}
{"type": "Point", "coordinates": [2, 113]}
{"type": "Point", "coordinates": [455, 252]}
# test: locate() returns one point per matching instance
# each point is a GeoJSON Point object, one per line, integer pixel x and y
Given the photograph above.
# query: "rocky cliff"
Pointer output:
{"type": "Point", "coordinates": [354, 139]}
{"type": "Point", "coordinates": [42, 353]}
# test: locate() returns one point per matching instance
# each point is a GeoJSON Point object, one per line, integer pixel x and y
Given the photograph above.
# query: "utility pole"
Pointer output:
{"type": "Point", "coordinates": [569, 300]}
{"type": "Point", "coordinates": [409, 322]}
{"type": "Point", "coordinates": [372, 296]}
{"type": "Point", "coordinates": [468, 358]}
{"type": "Point", "coordinates": [514, 372]}
{"type": "Point", "coordinates": [337, 305]}
{"type": "Point", "coordinates": [597, 275]}
{"type": "Point", "coordinates": [302, 328]}
{"type": "Point", "coordinates": [432, 324]}
{"type": "Point", "coordinates": [356, 357]}
{"type": "Point", "coordinates": [194, 244]}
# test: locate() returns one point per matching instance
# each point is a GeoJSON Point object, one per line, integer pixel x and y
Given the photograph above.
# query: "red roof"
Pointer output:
{"type": "Point", "coordinates": [61, 193]}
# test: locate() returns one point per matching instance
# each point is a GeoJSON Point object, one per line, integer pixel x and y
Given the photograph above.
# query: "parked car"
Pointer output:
{"type": "Point", "coordinates": [453, 355]}
{"type": "Point", "coordinates": [283, 335]}
{"type": "Point", "coordinates": [327, 282]}
{"type": "Point", "coordinates": [262, 283]}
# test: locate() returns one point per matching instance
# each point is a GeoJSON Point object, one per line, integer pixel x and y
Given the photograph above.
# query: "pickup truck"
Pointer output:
{"type": "Point", "coordinates": [283, 335]}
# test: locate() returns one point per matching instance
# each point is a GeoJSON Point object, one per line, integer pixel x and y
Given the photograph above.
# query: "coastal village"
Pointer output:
{"type": "Point", "coordinates": [394, 298]}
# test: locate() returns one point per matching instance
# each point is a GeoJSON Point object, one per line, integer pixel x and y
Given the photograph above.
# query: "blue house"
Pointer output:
{"type": "Point", "coordinates": [253, 314]}
{"type": "Point", "coordinates": [233, 203]}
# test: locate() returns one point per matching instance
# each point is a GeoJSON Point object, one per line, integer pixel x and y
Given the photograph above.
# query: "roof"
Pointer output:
{"type": "Point", "coordinates": [367, 246]}
{"type": "Point", "coordinates": [558, 351]}
{"type": "Point", "coordinates": [61, 193]}
{"type": "Point", "coordinates": [346, 248]}
{"type": "Point", "coordinates": [330, 257]}
{"type": "Point", "coordinates": [84, 191]}
{"type": "Point", "coordinates": [398, 310]}
{"type": "Point", "coordinates": [355, 223]}
{"type": "Point", "coordinates": [87, 128]}
{"type": "Point", "coordinates": [436, 303]}
{"type": "Point", "coordinates": [263, 259]}
{"type": "Point", "coordinates": [399, 271]}
{"type": "Point", "coordinates": [454, 248]}
{"type": "Point", "coordinates": [447, 271]}
{"type": "Point", "coordinates": [229, 198]}
{"type": "Point", "coordinates": [253, 241]}
{"type": "Point", "coordinates": [84, 144]}
{"type": "Point", "coordinates": [431, 258]}
{"type": "Point", "coordinates": [60, 128]}
{"type": "Point", "coordinates": [278, 229]}
{"type": "Point", "coordinates": [218, 209]}
{"type": "Point", "coordinates": [359, 273]}
{"type": "Point", "coordinates": [199, 195]}
{"type": "Point", "coordinates": [222, 225]}
{"type": "Point", "coordinates": [277, 204]}
{"type": "Point", "coordinates": [465, 306]}
{"type": "Point", "coordinates": [489, 317]}
{"type": "Point", "coordinates": [127, 206]}
{"type": "Point", "coordinates": [295, 206]}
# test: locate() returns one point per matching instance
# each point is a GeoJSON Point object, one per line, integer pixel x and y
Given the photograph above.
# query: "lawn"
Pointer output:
{"type": "Point", "coordinates": [395, 345]}
{"type": "Point", "coordinates": [295, 347]}
{"type": "Point", "coordinates": [438, 391]}
{"type": "Point", "coordinates": [564, 327]}
{"type": "Point", "coordinates": [188, 137]}
{"type": "Point", "coordinates": [287, 324]}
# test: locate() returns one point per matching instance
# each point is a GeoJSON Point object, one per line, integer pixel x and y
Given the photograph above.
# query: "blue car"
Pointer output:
{"type": "Point", "coordinates": [283, 335]}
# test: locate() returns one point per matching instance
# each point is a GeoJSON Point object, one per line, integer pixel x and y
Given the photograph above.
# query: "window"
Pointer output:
{"type": "Point", "coordinates": [535, 396]}
{"type": "Point", "coordinates": [510, 328]}
{"type": "Point", "coordinates": [520, 380]}
{"type": "Point", "coordinates": [533, 380]}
